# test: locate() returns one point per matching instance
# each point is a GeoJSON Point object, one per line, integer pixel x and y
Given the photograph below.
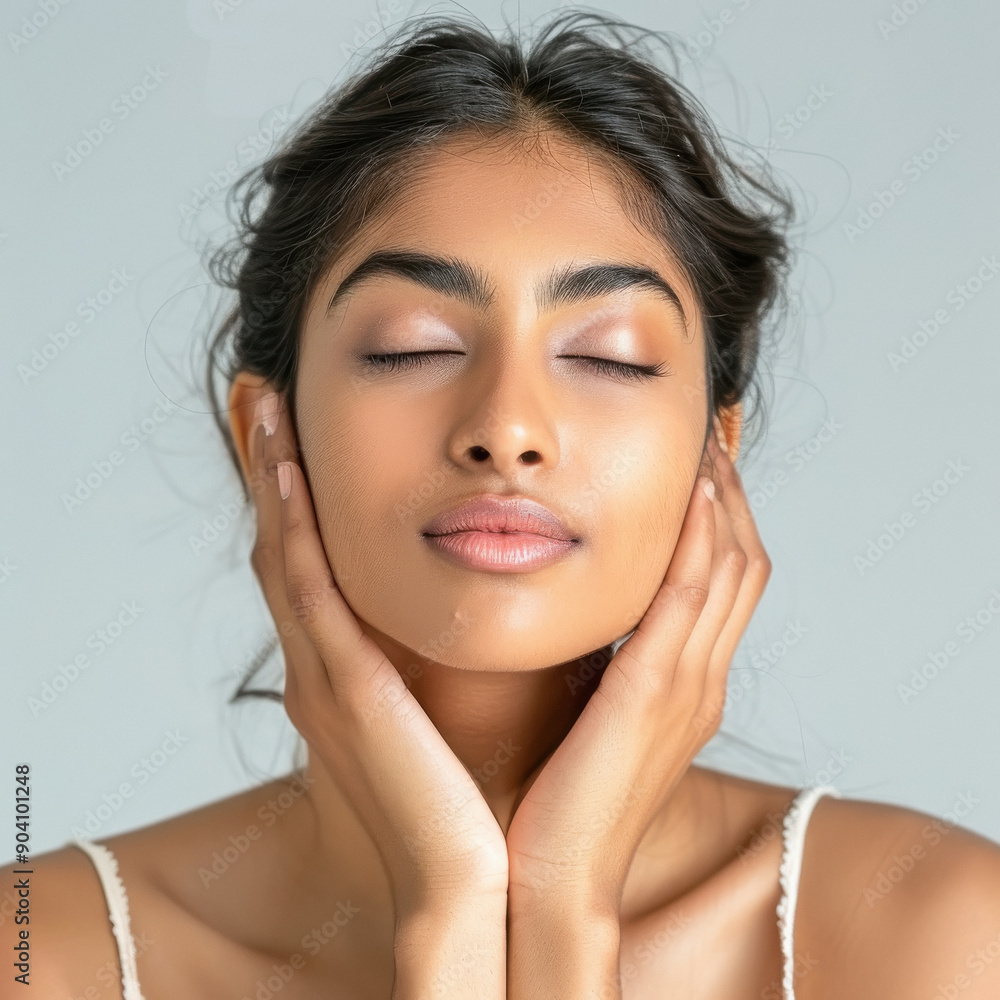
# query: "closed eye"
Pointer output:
{"type": "Point", "coordinates": [622, 369]}
{"type": "Point", "coordinates": [618, 369]}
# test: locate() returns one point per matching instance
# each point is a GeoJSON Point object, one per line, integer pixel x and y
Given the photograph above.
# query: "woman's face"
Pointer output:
{"type": "Point", "coordinates": [506, 410]}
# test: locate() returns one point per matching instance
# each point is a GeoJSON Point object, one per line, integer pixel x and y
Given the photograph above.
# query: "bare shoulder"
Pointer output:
{"type": "Point", "coordinates": [73, 952]}
{"type": "Point", "coordinates": [71, 947]}
{"type": "Point", "coordinates": [895, 902]}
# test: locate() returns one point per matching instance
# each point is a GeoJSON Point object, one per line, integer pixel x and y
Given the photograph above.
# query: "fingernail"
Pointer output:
{"type": "Point", "coordinates": [269, 412]}
{"type": "Point", "coordinates": [284, 480]}
{"type": "Point", "coordinates": [709, 487]}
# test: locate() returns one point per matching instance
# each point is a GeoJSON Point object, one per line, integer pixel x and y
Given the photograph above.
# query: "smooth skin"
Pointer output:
{"type": "Point", "coordinates": [593, 850]}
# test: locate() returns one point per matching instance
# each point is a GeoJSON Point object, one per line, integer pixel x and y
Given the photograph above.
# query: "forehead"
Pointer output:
{"type": "Point", "coordinates": [515, 206]}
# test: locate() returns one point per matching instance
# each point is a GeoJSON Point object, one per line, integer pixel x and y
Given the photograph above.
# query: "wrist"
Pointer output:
{"type": "Point", "coordinates": [454, 948]}
{"type": "Point", "coordinates": [563, 949]}
{"type": "Point", "coordinates": [449, 906]}
{"type": "Point", "coordinates": [591, 899]}
{"type": "Point", "coordinates": [443, 901]}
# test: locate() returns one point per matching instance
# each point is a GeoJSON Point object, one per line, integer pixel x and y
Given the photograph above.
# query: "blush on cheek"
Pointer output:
{"type": "Point", "coordinates": [640, 549]}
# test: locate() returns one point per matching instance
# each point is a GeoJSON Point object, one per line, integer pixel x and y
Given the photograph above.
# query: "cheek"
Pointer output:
{"type": "Point", "coordinates": [370, 491]}
{"type": "Point", "coordinates": [640, 528]}
{"type": "Point", "coordinates": [373, 490]}
{"type": "Point", "coordinates": [347, 468]}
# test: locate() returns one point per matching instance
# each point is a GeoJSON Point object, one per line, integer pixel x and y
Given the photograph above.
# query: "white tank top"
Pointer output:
{"type": "Point", "coordinates": [794, 835]}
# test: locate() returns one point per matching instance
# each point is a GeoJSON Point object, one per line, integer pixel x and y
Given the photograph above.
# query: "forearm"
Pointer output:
{"type": "Point", "coordinates": [452, 952]}
{"type": "Point", "coordinates": [560, 950]}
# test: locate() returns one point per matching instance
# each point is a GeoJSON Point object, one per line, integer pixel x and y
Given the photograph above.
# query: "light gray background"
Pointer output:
{"type": "Point", "coordinates": [826, 708]}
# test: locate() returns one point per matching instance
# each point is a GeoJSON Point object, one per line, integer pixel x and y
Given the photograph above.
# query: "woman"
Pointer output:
{"type": "Point", "coordinates": [499, 314]}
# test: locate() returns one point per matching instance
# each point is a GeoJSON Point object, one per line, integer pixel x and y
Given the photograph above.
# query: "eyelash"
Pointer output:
{"type": "Point", "coordinates": [618, 369]}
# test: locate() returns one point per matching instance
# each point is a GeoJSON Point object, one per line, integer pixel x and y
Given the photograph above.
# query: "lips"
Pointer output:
{"type": "Point", "coordinates": [507, 515]}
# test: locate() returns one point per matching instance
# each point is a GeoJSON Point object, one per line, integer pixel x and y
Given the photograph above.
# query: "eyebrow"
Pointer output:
{"type": "Point", "coordinates": [461, 280]}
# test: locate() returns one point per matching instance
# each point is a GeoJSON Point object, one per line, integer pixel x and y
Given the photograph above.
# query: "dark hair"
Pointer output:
{"type": "Point", "coordinates": [584, 75]}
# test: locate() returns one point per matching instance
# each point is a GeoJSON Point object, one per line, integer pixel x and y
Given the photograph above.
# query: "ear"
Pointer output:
{"type": "Point", "coordinates": [244, 394]}
{"type": "Point", "coordinates": [728, 425]}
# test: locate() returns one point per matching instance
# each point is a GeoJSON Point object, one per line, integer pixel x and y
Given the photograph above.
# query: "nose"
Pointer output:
{"type": "Point", "coordinates": [509, 424]}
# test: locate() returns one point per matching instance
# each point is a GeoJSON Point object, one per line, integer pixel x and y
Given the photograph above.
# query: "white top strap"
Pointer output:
{"type": "Point", "coordinates": [114, 892]}
{"type": "Point", "coordinates": [796, 821]}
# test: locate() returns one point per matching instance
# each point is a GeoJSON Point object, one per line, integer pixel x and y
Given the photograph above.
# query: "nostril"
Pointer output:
{"type": "Point", "coordinates": [530, 457]}
{"type": "Point", "coordinates": [479, 453]}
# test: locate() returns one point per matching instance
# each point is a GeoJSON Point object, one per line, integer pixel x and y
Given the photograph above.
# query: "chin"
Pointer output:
{"type": "Point", "coordinates": [465, 643]}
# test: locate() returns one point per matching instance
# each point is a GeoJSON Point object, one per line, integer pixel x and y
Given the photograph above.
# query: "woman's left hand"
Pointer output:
{"type": "Point", "coordinates": [575, 832]}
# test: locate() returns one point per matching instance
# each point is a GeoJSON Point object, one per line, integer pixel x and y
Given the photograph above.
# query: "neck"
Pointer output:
{"type": "Point", "coordinates": [501, 725]}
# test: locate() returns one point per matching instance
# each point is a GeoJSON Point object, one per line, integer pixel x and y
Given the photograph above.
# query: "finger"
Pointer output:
{"type": "Point", "coordinates": [758, 569]}
{"type": "Point", "coordinates": [729, 563]}
{"type": "Point", "coordinates": [268, 562]}
{"type": "Point", "coordinates": [735, 512]}
{"type": "Point", "coordinates": [350, 657]}
{"type": "Point", "coordinates": [313, 667]}
{"type": "Point", "coordinates": [651, 653]}
{"type": "Point", "coordinates": [703, 669]}
{"type": "Point", "coordinates": [730, 490]}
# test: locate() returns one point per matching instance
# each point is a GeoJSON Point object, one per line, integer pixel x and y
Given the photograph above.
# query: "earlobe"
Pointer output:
{"type": "Point", "coordinates": [244, 394]}
{"type": "Point", "coordinates": [728, 426]}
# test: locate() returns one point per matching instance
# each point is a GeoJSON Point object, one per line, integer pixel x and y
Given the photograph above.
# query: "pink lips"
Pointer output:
{"type": "Point", "coordinates": [500, 534]}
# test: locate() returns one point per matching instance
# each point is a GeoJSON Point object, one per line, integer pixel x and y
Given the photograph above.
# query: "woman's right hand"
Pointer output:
{"type": "Point", "coordinates": [436, 834]}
